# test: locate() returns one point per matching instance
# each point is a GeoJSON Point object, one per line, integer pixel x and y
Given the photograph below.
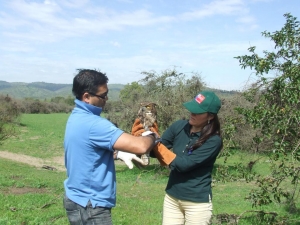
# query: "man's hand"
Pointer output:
{"type": "Point", "coordinates": [128, 158]}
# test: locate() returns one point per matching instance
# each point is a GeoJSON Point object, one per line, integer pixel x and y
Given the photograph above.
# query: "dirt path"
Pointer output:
{"type": "Point", "coordinates": [56, 163]}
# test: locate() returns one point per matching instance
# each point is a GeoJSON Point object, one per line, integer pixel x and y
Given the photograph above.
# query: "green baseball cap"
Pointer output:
{"type": "Point", "coordinates": [205, 101]}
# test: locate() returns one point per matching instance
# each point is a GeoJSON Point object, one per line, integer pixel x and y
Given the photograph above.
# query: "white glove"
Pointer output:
{"type": "Point", "coordinates": [146, 133]}
{"type": "Point", "coordinates": [128, 157]}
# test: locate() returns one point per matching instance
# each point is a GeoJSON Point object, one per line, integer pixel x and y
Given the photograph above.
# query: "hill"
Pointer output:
{"type": "Point", "coordinates": [43, 90]}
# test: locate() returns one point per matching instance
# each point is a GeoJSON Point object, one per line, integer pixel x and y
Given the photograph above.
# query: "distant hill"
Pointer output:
{"type": "Point", "coordinates": [43, 90]}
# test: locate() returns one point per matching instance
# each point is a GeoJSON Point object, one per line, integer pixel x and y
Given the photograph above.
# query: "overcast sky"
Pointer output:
{"type": "Point", "coordinates": [48, 40]}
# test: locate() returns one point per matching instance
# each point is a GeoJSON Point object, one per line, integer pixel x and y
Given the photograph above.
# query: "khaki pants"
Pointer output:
{"type": "Point", "coordinates": [178, 212]}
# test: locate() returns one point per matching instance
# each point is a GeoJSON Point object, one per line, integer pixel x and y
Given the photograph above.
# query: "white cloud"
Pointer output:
{"type": "Point", "coordinates": [74, 3]}
{"type": "Point", "coordinates": [115, 44]}
{"type": "Point", "coordinates": [48, 22]}
{"type": "Point", "coordinates": [48, 39]}
{"type": "Point", "coordinates": [218, 7]}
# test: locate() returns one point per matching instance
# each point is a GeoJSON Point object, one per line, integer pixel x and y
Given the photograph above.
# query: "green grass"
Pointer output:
{"type": "Point", "coordinates": [31, 196]}
{"type": "Point", "coordinates": [39, 135]}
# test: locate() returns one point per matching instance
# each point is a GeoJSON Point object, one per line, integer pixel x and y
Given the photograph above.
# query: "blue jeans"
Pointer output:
{"type": "Point", "coordinates": [88, 215]}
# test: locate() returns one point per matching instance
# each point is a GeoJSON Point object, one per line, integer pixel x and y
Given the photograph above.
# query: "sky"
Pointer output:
{"type": "Point", "coordinates": [47, 41]}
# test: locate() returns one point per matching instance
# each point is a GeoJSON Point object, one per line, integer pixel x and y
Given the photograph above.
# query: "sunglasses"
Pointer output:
{"type": "Point", "coordinates": [104, 97]}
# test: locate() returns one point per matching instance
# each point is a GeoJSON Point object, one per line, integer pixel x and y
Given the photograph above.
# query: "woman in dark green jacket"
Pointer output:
{"type": "Point", "coordinates": [195, 145]}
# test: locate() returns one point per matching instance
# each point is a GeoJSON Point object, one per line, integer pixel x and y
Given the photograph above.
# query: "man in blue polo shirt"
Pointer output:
{"type": "Point", "coordinates": [89, 143]}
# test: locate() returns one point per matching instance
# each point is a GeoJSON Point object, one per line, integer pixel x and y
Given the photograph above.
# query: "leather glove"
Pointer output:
{"type": "Point", "coordinates": [137, 128]}
{"type": "Point", "coordinates": [163, 154]}
{"type": "Point", "coordinates": [128, 159]}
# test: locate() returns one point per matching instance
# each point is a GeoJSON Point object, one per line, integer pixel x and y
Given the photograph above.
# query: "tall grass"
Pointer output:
{"type": "Point", "coordinates": [31, 195]}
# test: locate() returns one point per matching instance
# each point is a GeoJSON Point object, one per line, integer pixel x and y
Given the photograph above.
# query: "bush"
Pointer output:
{"type": "Point", "coordinates": [9, 114]}
{"type": "Point", "coordinates": [33, 106]}
{"type": "Point", "coordinates": [276, 111]}
{"type": "Point", "coordinates": [168, 90]}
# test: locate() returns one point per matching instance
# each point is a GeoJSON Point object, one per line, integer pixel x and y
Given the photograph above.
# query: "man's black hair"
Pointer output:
{"type": "Point", "coordinates": [87, 81]}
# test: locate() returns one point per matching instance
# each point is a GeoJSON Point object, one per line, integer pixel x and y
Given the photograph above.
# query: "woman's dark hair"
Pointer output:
{"type": "Point", "coordinates": [87, 81]}
{"type": "Point", "coordinates": [212, 128]}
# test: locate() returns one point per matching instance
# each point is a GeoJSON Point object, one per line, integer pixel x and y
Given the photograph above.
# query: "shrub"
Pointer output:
{"type": "Point", "coordinates": [9, 114]}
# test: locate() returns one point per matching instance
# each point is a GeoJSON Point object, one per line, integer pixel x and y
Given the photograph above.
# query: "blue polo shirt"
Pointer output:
{"type": "Point", "coordinates": [88, 145]}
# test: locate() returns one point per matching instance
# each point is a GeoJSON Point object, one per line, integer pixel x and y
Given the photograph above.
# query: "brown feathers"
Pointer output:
{"type": "Point", "coordinates": [147, 114]}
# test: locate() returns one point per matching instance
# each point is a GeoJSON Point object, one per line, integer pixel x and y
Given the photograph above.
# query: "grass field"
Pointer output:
{"type": "Point", "coordinates": [33, 195]}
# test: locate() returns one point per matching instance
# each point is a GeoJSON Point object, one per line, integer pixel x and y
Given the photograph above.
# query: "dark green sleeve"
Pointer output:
{"type": "Point", "coordinates": [205, 155]}
{"type": "Point", "coordinates": [170, 134]}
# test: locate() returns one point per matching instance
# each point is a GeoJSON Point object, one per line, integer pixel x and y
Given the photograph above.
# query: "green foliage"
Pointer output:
{"type": "Point", "coordinates": [32, 195]}
{"type": "Point", "coordinates": [276, 111]}
{"type": "Point", "coordinates": [69, 100]}
{"type": "Point", "coordinates": [236, 133]}
{"type": "Point", "coordinates": [131, 92]}
{"type": "Point", "coordinates": [35, 106]}
{"type": "Point", "coordinates": [168, 90]}
{"type": "Point", "coordinates": [9, 113]}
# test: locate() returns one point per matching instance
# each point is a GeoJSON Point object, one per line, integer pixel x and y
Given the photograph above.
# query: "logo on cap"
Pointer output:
{"type": "Point", "coordinates": [199, 98]}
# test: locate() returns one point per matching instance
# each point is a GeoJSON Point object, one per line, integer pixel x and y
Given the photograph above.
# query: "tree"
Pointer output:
{"type": "Point", "coordinates": [168, 89]}
{"type": "Point", "coordinates": [9, 113]}
{"type": "Point", "coordinates": [131, 92]}
{"type": "Point", "coordinates": [276, 112]}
